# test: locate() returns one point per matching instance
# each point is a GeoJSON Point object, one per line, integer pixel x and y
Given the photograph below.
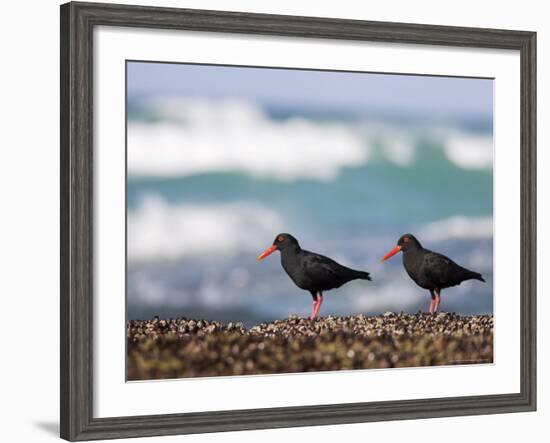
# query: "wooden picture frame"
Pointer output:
{"type": "Point", "coordinates": [77, 23]}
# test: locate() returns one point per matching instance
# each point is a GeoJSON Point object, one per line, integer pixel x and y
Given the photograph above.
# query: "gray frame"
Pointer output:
{"type": "Point", "coordinates": [77, 24]}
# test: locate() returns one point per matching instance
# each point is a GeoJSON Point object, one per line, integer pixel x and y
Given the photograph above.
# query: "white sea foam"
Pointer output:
{"type": "Point", "coordinates": [158, 230]}
{"type": "Point", "coordinates": [458, 227]}
{"type": "Point", "coordinates": [231, 135]}
{"type": "Point", "coordinates": [393, 295]}
{"type": "Point", "coordinates": [197, 135]}
{"type": "Point", "coordinates": [469, 151]}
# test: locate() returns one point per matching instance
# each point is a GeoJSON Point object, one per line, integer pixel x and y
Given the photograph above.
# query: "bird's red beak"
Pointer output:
{"type": "Point", "coordinates": [391, 253]}
{"type": "Point", "coordinates": [267, 252]}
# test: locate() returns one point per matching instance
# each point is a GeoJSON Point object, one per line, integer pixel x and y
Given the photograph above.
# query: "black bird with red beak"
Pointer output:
{"type": "Point", "coordinates": [430, 270]}
{"type": "Point", "coordinates": [309, 271]}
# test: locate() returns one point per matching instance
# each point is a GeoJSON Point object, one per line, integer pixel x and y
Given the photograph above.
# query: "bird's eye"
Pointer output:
{"type": "Point", "coordinates": [280, 238]}
{"type": "Point", "coordinates": [406, 239]}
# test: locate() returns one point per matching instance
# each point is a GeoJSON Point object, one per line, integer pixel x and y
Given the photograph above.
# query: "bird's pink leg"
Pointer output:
{"type": "Point", "coordinates": [432, 303]}
{"type": "Point", "coordinates": [319, 303]}
{"type": "Point", "coordinates": [437, 300]}
{"type": "Point", "coordinates": [313, 308]}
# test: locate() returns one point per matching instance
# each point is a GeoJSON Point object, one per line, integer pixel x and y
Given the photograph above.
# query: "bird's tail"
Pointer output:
{"type": "Point", "coordinates": [476, 276]}
{"type": "Point", "coordinates": [363, 275]}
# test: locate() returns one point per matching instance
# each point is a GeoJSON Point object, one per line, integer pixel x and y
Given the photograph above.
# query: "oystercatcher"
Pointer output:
{"type": "Point", "coordinates": [313, 272]}
{"type": "Point", "coordinates": [430, 270]}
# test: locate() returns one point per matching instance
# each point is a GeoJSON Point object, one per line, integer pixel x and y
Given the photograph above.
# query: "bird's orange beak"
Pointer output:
{"type": "Point", "coordinates": [267, 252]}
{"type": "Point", "coordinates": [391, 253]}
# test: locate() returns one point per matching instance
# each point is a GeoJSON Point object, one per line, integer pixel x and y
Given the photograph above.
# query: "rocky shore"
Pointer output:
{"type": "Point", "coordinates": [176, 348]}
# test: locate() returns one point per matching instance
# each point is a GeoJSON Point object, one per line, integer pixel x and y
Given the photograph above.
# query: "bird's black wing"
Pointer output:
{"type": "Point", "coordinates": [442, 271]}
{"type": "Point", "coordinates": [325, 272]}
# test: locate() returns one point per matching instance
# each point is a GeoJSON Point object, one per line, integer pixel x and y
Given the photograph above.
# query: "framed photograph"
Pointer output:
{"type": "Point", "coordinates": [338, 214]}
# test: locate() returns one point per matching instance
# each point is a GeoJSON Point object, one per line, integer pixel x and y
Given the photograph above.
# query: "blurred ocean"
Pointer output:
{"type": "Point", "coordinates": [212, 181]}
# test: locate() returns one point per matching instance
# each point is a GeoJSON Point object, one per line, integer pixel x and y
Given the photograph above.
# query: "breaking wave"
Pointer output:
{"type": "Point", "coordinates": [158, 230]}
{"type": "Point", "coordinates": [470, 151]}
{"type": "Point", "coordinates": [186, 136]}
{"type": "Point", "coordinates": [237, 136]}
{"type": "Point", "coordinates": [458, 227]}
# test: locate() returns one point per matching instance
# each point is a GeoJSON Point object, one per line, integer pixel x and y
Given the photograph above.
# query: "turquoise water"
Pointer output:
{"type": "Point", "coordinates": [346, 186]}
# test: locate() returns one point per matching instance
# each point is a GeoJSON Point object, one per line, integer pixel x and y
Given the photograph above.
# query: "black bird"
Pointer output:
{"type": "Point", "coordinates": [313, 272]}
{"type": "Point", "coordinates": [430, 270]}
